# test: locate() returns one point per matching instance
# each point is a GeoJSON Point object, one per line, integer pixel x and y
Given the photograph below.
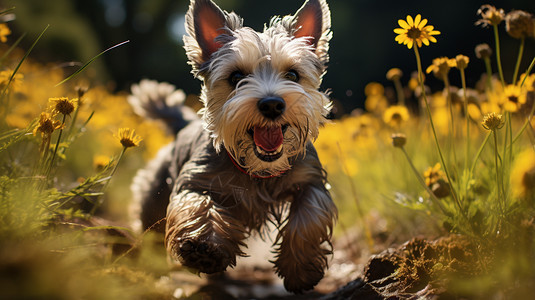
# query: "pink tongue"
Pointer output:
{"type": "Point", "coordinates": [268, 138]}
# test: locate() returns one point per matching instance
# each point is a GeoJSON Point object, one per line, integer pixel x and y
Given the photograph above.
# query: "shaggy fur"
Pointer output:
{"type": "Point", "coordinates": [249, 160]}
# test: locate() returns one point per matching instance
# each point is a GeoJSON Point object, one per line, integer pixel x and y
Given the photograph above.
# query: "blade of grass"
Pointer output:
{"type": "Point", "coordinates": [15, 135]}
{"type": "Point", "coordinates": [22, 60]}
{"type": "Point", "coordinates": [7, 10]}
{"type": "Point", "coordinates": [89, 62]}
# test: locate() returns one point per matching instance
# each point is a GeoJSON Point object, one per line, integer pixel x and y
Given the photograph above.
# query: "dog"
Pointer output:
{"type": "Point", "coordinates": [248, 160]}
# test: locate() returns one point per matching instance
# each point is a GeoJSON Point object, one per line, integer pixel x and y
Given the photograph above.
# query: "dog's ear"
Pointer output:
{"type": "Point", "coordinates": [313, 20]}
{"type": "Point", "coordinates": [205, 22]}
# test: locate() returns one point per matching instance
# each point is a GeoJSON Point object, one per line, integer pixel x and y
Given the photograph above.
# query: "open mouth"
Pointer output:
{"type": "Point", "coordinates": [268, 141]}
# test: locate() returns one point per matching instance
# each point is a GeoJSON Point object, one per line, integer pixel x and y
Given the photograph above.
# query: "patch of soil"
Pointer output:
{"type": "Point", "coordinates": [418, 269]}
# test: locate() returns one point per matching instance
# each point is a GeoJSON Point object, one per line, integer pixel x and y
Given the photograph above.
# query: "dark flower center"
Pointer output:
{"type": "Point", "coordinates": [414, 33]}
{"type": "Point", "coordinates": [513, 99]}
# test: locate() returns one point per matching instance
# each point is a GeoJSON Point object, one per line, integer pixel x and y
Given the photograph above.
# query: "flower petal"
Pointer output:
{"type": "Point", "coordinates": [417, 20]}
{"type": "Point", "coordinates": [410, 21]}
{"type": "Point", "coordinates": [400, 30]}
{"type": "Point", "coordinates": [403, 24]}
{"type": "Point", "coordinates": [419, 42]}
{"type": "Point", "coordinates": [422, 24]}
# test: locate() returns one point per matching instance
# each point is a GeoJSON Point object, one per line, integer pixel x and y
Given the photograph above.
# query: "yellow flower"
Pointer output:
{"type": "Point", "coordinates": [47, 124]}
{"type": "Point", "coordinates": [493, 121]}
{"type": "Point", "coordinates": [5, 75]}
{"type": "Point", "coordinates": [394, 74]}
{"type": "Point", "coordinates": [490, 15]}
{"type": "Point", "coordinates": [62, 105]}
{"type": "Point", "coordinates": [529, 82]}
{"type": "Point", "coordinates": [441, 66]}
{"type": "Point", "coordinates": [4, 32]}
{"type": "Point", "coordinates": [413, 83]}
{"type": "Point", "coordinates": [415, 32]}
{"type": "Point", "coordinates": [433, 174]}
{"type": "Point", "coordinates": [435, 179]}
{"type": "Point", "coordinates": [374, 89]}
{"type": "Point", "coordinates": [100, 162]}
{"type": "Point", "coordinates": [128, 138]}
{"type": "Point", "coordinates": [513, 98]}
{"type": "Point", "coordinates": [395, 115]}
{"type": "Point", "coordinates": [461, 61]}
{"type": "Point", "coordinates": [523, 175]}
{"type": "Point", "coordinates": [474, 112]}
{"type": "Point", "coordinates": [375, 98]}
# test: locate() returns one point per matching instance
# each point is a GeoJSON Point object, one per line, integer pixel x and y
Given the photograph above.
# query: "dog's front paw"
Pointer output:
{"type": "Point", "coordinates": [204, 256]}
{"type": "Point", "coordinates": [303, 280]}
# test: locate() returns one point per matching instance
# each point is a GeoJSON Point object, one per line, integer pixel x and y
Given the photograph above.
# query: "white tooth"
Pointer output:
{"type": "Point", "coordinates": [260, 150]}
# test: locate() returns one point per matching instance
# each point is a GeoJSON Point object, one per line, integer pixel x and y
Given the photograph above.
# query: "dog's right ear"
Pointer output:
{"type": "Point", "coordinates": [205, 21]}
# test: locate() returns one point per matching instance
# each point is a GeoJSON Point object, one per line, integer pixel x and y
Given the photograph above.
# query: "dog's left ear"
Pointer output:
{"type": "Point", "coordinates": [208, 28]}
{"type": "Point", "coordinates": [313, 20]}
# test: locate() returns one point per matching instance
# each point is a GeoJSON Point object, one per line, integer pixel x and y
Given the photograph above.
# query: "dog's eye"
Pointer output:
{"type": "Point", "coordinates": [236, 77]}
{"type": "Point", "coordinates": [292, 75]}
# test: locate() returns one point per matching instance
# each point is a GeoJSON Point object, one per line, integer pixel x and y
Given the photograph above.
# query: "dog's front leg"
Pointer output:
{"type": "Point", "coordinates": [302, 252]}
{"type": "Point", "coordinates": [201, 234]}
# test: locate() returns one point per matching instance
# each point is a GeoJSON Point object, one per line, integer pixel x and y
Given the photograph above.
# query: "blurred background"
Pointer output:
{"type": "Point", "coordinates": [362, 50]}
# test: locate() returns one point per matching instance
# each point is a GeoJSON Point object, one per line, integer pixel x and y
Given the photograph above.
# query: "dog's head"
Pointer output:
{"type": "Point", "coordinates": [260, 93]}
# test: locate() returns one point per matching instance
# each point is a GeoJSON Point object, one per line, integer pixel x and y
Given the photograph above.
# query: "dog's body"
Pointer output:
{"type": "Point", "coordinates": [250, 159]}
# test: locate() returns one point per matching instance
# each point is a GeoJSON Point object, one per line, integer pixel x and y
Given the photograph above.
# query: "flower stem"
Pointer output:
{"type": "Point", "coordinates": [450, 106]}
{"type": "Point", "coordinates": [56, 147]}
{"type": "Point", "coordinates": [478, 154]}
{"type": "Point", "coordinates": [422, 182]}
{"type": "Point", "coordinates": [498, 185]}
{"type": "Point", "coordinates": [399, 90]}
{"type": "Point", "coordinates": [498, 55]}
{"type": "Point", "coordinates": [526, 123]}
{"type": "Point", "coordinates": [507, 147]}
{"type": "Point", "coordinates": [519, 59]}
{"type": "Point", "coordinates": [467, 119]}
{"type": "Point", "coordinates": [98, 201]}
{"type": "Point", "coordinates": [488, 67]}
{"type": "Point", "coordinates": [420, 78]}
{"type": "Point", "coordinates": [527, 72]}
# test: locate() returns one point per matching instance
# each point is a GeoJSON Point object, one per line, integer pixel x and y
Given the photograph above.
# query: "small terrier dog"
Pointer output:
{"type": "Point", "coordinates": [249, 159]}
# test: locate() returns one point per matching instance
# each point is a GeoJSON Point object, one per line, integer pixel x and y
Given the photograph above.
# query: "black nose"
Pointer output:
{"type": "Point", "coordinates": [271, 107]}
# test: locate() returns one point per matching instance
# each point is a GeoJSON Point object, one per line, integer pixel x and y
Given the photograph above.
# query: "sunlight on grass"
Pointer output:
{"type": "Point", "coordinates": [461, 158]}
